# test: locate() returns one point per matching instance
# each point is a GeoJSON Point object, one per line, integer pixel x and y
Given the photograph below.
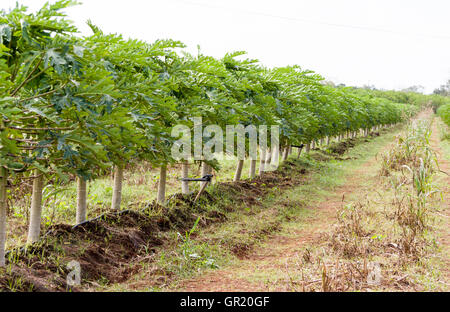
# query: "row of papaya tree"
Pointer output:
{"type": "Point", "coordinates": [76, 106]}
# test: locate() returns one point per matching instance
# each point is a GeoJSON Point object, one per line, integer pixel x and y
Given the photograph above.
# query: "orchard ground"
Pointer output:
{"type": "Point", "coordinates": [245, 236]}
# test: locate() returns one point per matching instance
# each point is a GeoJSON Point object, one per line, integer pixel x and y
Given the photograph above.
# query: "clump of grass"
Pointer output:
{"type": "Point", "coordinates": [410, 149]}
{"type": "Point", "coordinates": [189, 257]}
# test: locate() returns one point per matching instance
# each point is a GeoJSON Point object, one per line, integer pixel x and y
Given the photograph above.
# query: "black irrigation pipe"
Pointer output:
{"type": "Point", "coordinates": [206, 178]}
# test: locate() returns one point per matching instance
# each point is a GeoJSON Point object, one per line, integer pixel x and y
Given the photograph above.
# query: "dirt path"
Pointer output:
{"type": "Point", "coordinates": [281, 250]}
{"type": "Point", "coordinates": [444, 182]}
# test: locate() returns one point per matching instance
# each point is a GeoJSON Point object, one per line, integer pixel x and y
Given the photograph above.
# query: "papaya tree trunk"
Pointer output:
{"type": "Point", "coordinates": [238, 173]}
{"type": "Point", "coordinates": [299, 152]}
{"type": "Point", "coordinates": [307, 147]}
{"type": "Point", "coordinates": [286, 153]}
{"type": "Point", "coordinates": [206, 169]}
{"type": "Point", "coordinates": [3, 207]}
{"type": "Point", "coordinates": [117, 188]}
{"type": "Point", "coordinates": [81, 200]}
{"type": "Point", "coordinates": [184, 175]}
{"type": "Point", "coordinates": [276, 154]}
{"type": "Point", "coordinates": [262, 160]}
{"type": "Point", "coordinates": [162, 185]}
{"type": "Point", "coordinates": [34, 228]}
{"type": "Point", "coordinates": [252, 171]}
{"type": "Point", "coordinates": [268, 156]}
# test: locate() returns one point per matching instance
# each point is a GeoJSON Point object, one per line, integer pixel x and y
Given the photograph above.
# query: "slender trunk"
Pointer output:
{"type": "Point", "coordinates": [299, 152]}
{"type": "Point", "coordinates": [238, 173]}
{"type": "Point", "coordinates": [286, 153]}
{"type": "Point", "coordinates": [206, 169]}
{"type": "Point", "coordinates": [200, 192]}
{"type": "Point", "coordinates": [313, 144]}
{"type": "Point", "coordinates": [81, 200]}
{"type": "Point", "coordinates": [328, 140]}
{"type": "Point", "coordinates": [276, 154]}
{"type": "Point", "coordinates": [262, 160]}
{"type": "Point", "coordinates": [117, 191]}
{"type": "Point", "coordinates": [184, 175]}
{"type": "Point", "coordinates": [307, 148]}
{"type": "Point", "coordinates": [162, 185]}
{"type": "Point", "coordinates": [34, 228]}
{"type": "Point", "coordinates": [322, 140]}
{"type": "Point", "coordinates": [252, 171]}
{"type": "Point", "coordinates": [268, 156]}
{"type": "Point", "coordinates": [3, 206]}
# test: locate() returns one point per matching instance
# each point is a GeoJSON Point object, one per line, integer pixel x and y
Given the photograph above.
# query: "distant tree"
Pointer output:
{"type": "Point", "coordinates": [443, 90]}
{"type": "Point", "coordinates": [417, 89]}
{"type": "Point", "coordinates": [369, 87]}
{"type": "Point", "coordinates": [329, 83]}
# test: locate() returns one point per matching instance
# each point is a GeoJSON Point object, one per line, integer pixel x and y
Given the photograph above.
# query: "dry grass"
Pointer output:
{"type": "Point", "coordinates": [386, 240]}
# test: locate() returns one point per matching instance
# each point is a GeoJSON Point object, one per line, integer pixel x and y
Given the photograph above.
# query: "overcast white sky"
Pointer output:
{"type": "Point", "coordinates": [391, 44]}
